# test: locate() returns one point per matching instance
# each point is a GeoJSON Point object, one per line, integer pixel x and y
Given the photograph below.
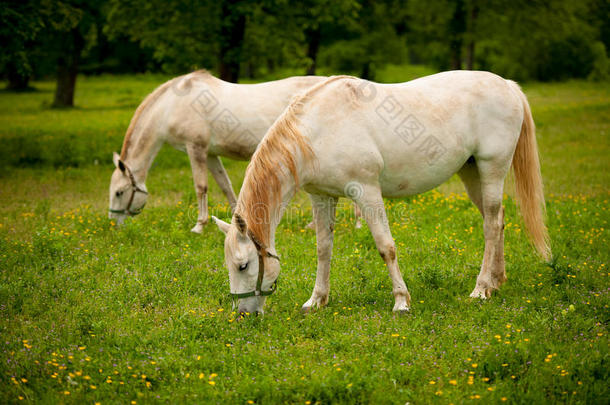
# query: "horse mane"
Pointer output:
{"type": "Point", "coordinates": [277, 152]}
{"type": "Point", "coordinates": [154, 96]}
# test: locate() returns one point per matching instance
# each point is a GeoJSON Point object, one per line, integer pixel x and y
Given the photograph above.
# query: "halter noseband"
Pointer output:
{"type": "Point", "coordinates": [258, 292]}
{"type": "Point", "coordinates": [134, 189]}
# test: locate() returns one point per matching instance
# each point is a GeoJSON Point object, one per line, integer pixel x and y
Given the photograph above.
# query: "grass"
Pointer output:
{"type": "Point", "coordinates": [90, 313]}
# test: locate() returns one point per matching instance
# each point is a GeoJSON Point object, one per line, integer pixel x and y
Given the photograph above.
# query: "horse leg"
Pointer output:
{"type": "Point", "coordinates": [198, 157]}
{"type": "Point", "coordinates": [371, 203]}
{"type": "Point", "coordinates": [469, 174]}
{"type": "Point", "coordinates": [222, 178]}
{"type": "Point", "coordinates": [357, 215]}
{"type": "Point", "coordinates": [491, 187]}
{"type": "Point", "coordinates": [324, 217]}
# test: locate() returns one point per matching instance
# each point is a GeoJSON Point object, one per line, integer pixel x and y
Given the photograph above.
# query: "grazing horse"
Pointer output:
{"type": "Point", "coordinates": [347, 136]}
{"type": "Point", "coordinates": [207, 118]}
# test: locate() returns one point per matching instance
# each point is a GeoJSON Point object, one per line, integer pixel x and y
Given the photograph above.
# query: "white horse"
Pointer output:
{"type": "Point", "coordinates": [368, 140]}
{"type": "Point", "coordinates": [207, 118]}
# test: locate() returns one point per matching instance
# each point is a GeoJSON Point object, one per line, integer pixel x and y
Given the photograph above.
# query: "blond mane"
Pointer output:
{"type": "Point", "coordinates": [154, 96]}
{"type": "Point", "coordinates": [276, 155]}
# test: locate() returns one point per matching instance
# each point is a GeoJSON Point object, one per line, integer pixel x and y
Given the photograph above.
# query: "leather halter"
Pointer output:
{"type": "Point", "coordinates": [134, 189]}
{"type": "Point", "coordinates": [262, 253]}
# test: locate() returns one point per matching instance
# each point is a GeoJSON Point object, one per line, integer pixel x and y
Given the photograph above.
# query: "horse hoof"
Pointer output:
{"type": "Point", "coordinates": [305, 310]}
{"type": "Point", "coordinates": [481, 294]}
{"type": "Point", "coordinates": [198, 229]}
{"type": "Point", "coordinates": [402, 311]}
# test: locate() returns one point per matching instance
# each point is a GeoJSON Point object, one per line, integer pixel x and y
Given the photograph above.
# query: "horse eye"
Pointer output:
{"type": "Point", "coordinates": [119, 193]}
{"type": "Point", "coordinates": [243, 267]}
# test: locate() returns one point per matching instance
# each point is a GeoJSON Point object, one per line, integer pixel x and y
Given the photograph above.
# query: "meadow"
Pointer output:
{"type": "Point", "coordinates": [91, 313]}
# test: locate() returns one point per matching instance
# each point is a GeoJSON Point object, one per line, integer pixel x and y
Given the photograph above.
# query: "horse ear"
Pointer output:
{"type": "Point", "coordinates": [241, 224]}
{"type": "Point", "coordinates": [117, 162]}
{"type": "Point", "coordinates": [222, 225]}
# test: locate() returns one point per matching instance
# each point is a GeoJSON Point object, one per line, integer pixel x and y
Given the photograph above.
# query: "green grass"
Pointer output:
{"type": "Point", "coordinates": [90, 313]}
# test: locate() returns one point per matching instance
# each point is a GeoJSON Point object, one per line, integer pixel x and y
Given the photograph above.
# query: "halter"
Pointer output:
{"type": "Point", "coordinates": [258, 292]}
{"type": "Point", "coordinates": [134, 189]}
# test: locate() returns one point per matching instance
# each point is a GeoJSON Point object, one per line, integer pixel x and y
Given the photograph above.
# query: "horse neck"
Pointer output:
{"type": "Point", "coordinates": [277, 212]}
{"type": "Point", "coordinates": [143, 147]}
{"type": "Point", "coordinates": [276, 208]}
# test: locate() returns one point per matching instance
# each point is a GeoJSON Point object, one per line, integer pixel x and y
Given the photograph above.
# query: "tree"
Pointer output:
{"type": "Point", "coordinates": [66, 43]}
{"type": "Point", "coordinates": [231, 38]}
{"type": "Point", "coordinates": [320, 22]}
{"type": "Point", "coordinates": [186, 34]}
{"type": "Point", "coordinates": [374, 39]}
{"type": "Point", "coordinates": [23, 23]}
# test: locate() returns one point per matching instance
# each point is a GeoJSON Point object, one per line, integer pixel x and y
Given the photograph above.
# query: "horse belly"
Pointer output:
{"type": "Point", "coordinates": [417, 168]}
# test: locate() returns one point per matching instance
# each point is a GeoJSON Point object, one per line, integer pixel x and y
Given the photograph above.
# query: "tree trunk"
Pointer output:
{"type": "Point", "coordinates": [67, 69]}
{"type": "Point", "coordinates": [457, 27]}
{"type": "Point", "coordinates": [456, 54]}
{"type": "Point", "coordinates": [231, 39]}
{"type": "Point", "coordinates": [313, 45]}
{"type": "Point", "coordinates": [474, 13]}
{"type": "Point", "coordinates": [366, 71]}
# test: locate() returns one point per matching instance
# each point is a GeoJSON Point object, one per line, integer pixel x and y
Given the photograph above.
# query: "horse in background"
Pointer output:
{"type": "Point", "coordinates": [204, 117]}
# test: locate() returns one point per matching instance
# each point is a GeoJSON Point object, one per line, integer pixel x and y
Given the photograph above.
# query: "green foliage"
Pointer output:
{"type": "Point", "coordinates": [182, 34]}
{"type": "Point", "coordinates": [142, 313]}
{"type": "Point", "coordinates": [370, 45]}
{"type": "Point", "coordinates": [522, 40]}
{"type": "Point", "coordinates": [23, 25]}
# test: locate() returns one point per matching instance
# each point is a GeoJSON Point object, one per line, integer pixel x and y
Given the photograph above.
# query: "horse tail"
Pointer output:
{"type": "Point", "coordinates": [528, 180]}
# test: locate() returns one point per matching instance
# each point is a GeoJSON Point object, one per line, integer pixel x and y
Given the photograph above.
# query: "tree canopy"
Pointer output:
{"type": "Point", "coordinates": [519, 39]}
